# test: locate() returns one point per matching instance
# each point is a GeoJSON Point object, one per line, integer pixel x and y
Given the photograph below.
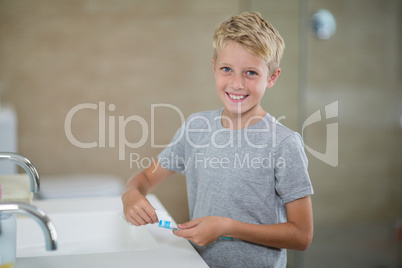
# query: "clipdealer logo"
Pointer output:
{"type": "Point", "coordinates": [330, 156]}
{"type": "Point", "coordinates": [121, 125]}
{"type": "Point", "coordinates": [117, 125]}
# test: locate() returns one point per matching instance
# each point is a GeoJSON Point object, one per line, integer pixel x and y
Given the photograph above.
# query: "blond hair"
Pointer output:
{"type": "Point", "coordinates": [255, 34]}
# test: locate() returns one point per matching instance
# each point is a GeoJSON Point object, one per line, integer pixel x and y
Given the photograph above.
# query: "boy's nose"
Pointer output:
{"type": "Point", "coordinates": [237, 82]}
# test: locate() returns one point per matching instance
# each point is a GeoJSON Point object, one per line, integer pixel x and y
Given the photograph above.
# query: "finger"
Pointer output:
{"type": "Point", "coordinates": [139, 218]}
{"type": "Point", "coordinates": [135, 217]}
{"type": "Point", "coordinates": [144, 216]}
{"type": "Point", "coordinates": [183, 233]}
{"type": "Point", "coordinates": [191, 236]}
{"type": "Point", "coordinates": [152, 214]}
{"type": "Point", "coordinates": [189, 224]}
{"type": "Point", "coordinates": [133, 221]}
{"type": "Point", "coordinates": [149, 214]}
{"type": "Point", "coordinates": [129, 216]}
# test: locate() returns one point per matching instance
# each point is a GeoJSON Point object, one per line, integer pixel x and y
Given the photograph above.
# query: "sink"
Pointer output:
{"type": "Point", "coordinates": [83, 233]}
{"type": "Point", "coordinates": [92, 234]}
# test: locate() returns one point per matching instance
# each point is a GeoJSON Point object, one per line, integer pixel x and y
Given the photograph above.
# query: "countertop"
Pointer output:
{"type": "Point", "coordinates": [172, 251]}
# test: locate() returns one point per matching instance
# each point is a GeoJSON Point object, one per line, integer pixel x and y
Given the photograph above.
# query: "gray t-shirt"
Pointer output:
{"type": "Point", "coordinates": [247, 175]}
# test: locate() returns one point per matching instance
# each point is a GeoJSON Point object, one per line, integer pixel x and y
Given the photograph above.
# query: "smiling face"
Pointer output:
{"type": "Point", "coordinates": [240, 80]}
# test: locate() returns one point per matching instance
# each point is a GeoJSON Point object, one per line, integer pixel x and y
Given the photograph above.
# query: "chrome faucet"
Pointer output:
{"type": "Point", "coordinates": [21, 208]}
{"type": "Point", "coordinates": [27, 166]}
{"type": "Point", "coordinates": [39, 215]}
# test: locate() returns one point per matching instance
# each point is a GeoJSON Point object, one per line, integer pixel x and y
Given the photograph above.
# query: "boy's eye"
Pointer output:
{"type": "Point", "coordinates": [226, 69]}
{"type": "Point", "coordinates": [251, 73]}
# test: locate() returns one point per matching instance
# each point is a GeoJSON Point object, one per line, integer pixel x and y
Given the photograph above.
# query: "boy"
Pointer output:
{"type": "Point", "coordinates": [246, 173]}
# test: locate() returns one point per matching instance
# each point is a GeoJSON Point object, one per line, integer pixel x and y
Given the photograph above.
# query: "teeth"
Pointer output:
{"type": "Point", "coordinates": [236, 97]}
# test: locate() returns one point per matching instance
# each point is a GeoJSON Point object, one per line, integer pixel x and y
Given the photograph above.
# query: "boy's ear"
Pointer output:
{"type": "Point", "coordinates": [213, 64]}
{"type": "Point", "coordinates": [272, 78]}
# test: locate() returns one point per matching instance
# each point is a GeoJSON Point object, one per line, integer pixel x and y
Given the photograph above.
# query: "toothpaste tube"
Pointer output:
{"type": "Point", "coordinates": [165, 221]}
{"type": "Point", "coordinates": [167, 225]}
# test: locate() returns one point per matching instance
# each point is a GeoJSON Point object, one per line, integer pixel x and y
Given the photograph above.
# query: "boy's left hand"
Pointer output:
{"type": "Point", "coordinates": [203, 231]}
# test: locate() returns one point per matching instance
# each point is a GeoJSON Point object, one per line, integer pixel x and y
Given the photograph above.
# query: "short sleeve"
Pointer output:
{"type": "Point", "coordinates": [291, 175]}
{"type": "Point", "coordinates": [173, 156]}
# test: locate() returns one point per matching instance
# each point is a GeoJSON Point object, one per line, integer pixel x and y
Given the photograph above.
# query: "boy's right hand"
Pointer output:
{"type": "Point", "coordinates": [137, 208]}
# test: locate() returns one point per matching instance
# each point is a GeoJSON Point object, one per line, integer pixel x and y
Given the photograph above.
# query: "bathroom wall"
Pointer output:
{"type": "Point", "coordinates": [118, 58]}
{"type": "Point", "coordinates": [360, 68]}
{"type": "Point", "coordinates": [127, 54]}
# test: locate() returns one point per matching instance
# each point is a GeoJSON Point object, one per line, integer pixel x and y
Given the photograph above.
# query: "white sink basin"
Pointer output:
{"type": "Point", "coordinates": [83, 233]}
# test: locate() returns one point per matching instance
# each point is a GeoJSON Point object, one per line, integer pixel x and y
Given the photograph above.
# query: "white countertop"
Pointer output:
{"type": "Point", "coordinates": [172, 251]}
